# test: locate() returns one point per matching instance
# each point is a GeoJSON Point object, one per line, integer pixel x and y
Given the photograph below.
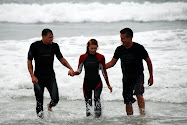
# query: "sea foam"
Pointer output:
{"type": "Point", "coordinates": [167, 50]}
{"type": "Point", "coordinates": [92, 12]}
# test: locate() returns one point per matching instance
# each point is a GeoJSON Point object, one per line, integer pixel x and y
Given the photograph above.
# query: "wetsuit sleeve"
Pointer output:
{"type": "Point", "coordinates": [103, 69]}
{"type": "Point", "coordinates": [30, 53]}
{"type": "Point", "coordinates": [116, 54]}
{"type": "Point", "coordinates": [144, 53]}
{"type": "Point", "coordinates": [57, 52]}
{"type": "Point", "coordinates": [80, 65]}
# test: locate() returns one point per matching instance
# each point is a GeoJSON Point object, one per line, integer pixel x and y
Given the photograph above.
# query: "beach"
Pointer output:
{"type": "Point", "coordinates": [161, 29]}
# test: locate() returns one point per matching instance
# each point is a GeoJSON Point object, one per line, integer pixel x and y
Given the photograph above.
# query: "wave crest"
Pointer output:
{"type": "Point", "coordinates": [92, 12]}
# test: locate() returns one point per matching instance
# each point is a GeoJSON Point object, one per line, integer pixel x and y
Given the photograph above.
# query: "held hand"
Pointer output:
{"type": "Point", "coordinates": [71, 72]}
{"type": "Point", "coordinates": [34, 80]}
{"type": "Point", "coordinates": [109, 87]}
{"type": "Point", "coordinates": [150, 81]}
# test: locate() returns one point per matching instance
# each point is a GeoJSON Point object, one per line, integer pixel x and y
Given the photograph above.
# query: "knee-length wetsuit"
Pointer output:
{"type": "Point", "coordinates": [132, 69]}
{"type": "Point", "coordinates": [92, 81]}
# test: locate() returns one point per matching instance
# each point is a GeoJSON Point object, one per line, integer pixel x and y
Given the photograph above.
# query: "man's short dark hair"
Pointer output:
{"type": "Point", "coordinates": [127, 31]}
{"type": "Point", "coordinates": [45, 31]}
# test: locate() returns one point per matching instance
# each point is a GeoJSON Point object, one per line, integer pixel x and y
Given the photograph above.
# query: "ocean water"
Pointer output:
{"type": "Point", "coordinates": [161, 26]}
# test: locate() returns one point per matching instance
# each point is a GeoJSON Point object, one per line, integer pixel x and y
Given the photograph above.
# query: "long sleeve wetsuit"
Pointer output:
{"type": "Point", "coordinates": [44, 58]}
{"type": "Point", "coordinates": [92, 81]}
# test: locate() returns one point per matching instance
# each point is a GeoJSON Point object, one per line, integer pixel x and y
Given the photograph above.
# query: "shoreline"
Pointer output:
{"type": "Point", "coordinates": [22, 111]}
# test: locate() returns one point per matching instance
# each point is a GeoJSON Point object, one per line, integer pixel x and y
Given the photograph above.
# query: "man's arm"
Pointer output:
{"type": "Point", "coordinates": [150, 68]}
{"type": "Point", "coordinates": [30, 68]}
{"type": "Point", "coordinates": [111, 63]}
{"type": "Point", "coordinates": [66, 64]}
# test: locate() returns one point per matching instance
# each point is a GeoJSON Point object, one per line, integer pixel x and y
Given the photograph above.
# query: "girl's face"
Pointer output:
{"type": "Point", "coordinates": [92, 49]}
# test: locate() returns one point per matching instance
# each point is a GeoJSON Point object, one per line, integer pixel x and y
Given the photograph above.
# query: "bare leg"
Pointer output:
{"type": "Point", "coordinates": [129, 109]}
{"type": "Point", "coordinates": [141, 104]}
{"type": "Point", "coordinates": [49, 109]}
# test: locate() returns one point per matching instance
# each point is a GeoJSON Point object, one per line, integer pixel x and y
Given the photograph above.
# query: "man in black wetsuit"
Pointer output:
{"type": "Point", "coordinates": [131, 55]}
{"type": "Point", "coordinates": [43, 52]}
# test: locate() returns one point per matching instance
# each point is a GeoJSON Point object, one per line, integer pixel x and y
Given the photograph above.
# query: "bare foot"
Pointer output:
{"type": "Point", "coordinates": [142, 111]}
{"type": "Point", "coordinates": [49, 109]}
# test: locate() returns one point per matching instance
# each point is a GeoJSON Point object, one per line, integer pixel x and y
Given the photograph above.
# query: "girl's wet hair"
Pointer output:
{"type": "Point", "coordinates": [91, 42]}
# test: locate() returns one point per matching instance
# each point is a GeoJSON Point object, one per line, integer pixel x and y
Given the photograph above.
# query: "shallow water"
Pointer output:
{"type": "Point", "coordinates": [22, 111]}
{"type": "Point", "coordinates": [156, 25]}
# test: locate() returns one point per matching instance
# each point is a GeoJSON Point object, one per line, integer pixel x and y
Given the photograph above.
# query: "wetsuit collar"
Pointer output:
{"type": "Point", "coordinates": [92, 54]}
{"type": "Point", "coordinates": [130, 46]}
{"type": "Point", "coordinates": [45, 44]}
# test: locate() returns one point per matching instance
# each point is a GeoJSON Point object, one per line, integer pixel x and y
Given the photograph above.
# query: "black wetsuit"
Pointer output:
{"type": "Point", "coordinates": [132, 69]}
{"type": "Point", "coordinates": [92, 81]}
{"type": "Point", "coordinates": [44, 56]}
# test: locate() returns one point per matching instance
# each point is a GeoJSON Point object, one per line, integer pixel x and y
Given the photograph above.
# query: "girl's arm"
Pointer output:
{"type": "Point", "coordinates": [80, 65]}
{"type": "Point", "coordinates": [104, 72]}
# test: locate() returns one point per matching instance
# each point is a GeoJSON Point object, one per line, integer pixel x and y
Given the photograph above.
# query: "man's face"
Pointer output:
{"type": "Point", "coordinates": [125, 40]}
{"type": "Point", "coordinates": [48, 38]}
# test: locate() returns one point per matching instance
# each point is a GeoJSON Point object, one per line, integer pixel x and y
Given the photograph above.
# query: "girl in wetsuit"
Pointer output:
{"type": "Point", "coordinates": [92, 62]}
